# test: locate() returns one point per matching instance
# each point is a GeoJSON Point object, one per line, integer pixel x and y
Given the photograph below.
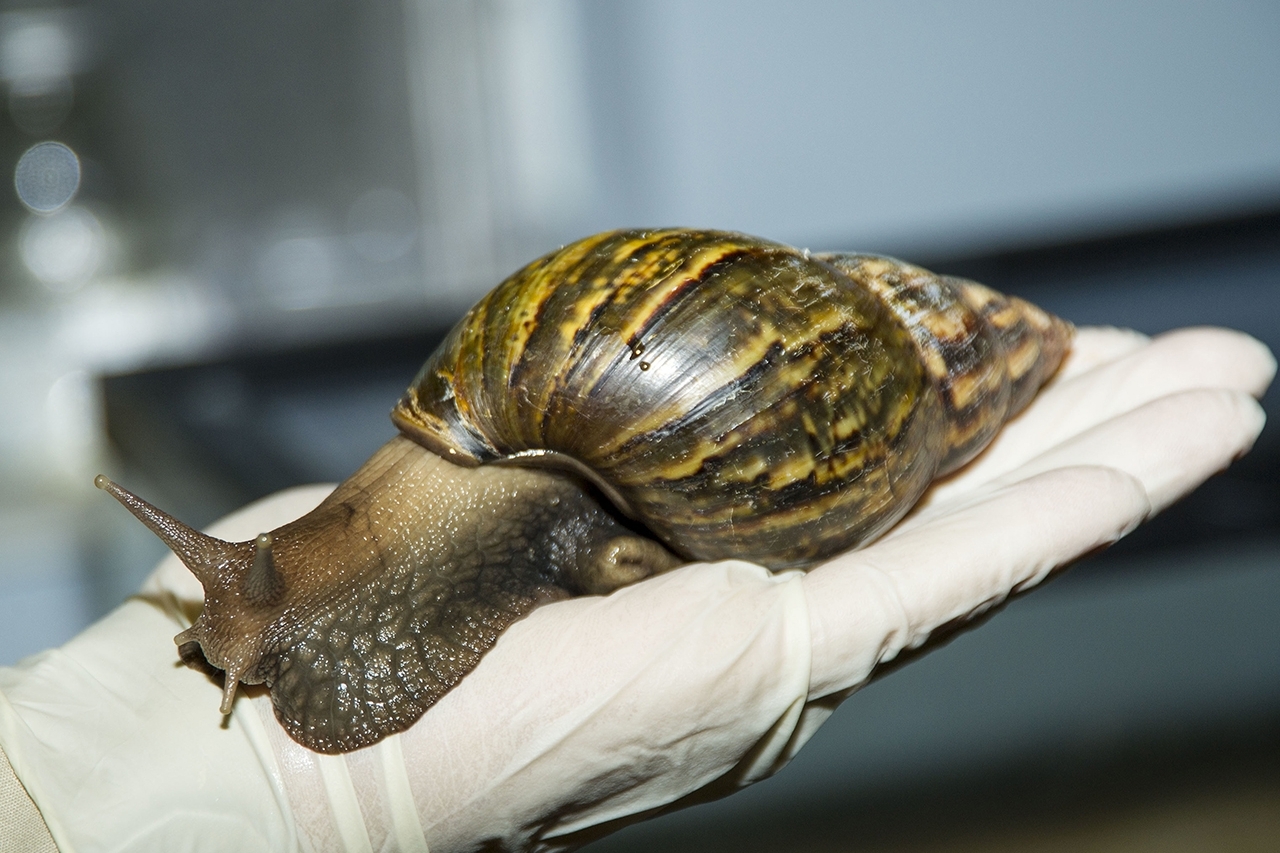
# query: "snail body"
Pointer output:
{"type": "Point", "coordinates": [630, 402]}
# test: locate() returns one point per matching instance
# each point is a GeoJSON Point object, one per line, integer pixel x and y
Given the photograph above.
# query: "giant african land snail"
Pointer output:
{"type": "Point", "coordinates": [731, 396]}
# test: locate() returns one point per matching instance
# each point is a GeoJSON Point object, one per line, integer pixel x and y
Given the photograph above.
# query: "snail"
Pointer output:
{"type": "Point", "coordinates": [626, 404]}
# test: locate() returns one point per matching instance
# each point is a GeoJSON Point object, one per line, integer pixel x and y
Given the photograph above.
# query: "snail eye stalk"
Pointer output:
{"type": "Point", "coordinates": [206, 556]}
{"type": "Point", "coordinates": [264, 585]}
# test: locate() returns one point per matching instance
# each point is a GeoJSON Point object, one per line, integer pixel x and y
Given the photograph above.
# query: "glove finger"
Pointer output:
{"type": "Point", "coordinates": [866, 606]}
{"type": "Point", "coordinates": [1170, 445]}
{"type": "Point", "coordinates": [1214, 427]}
{"type": "Point", "coordinates": [1178, 361]}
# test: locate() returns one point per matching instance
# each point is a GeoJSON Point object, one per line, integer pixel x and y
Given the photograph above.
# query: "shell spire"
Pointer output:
{"type": "Point", "coordinates": [206, 556]}
{"type": "Point", "coordinates": [986, 353]}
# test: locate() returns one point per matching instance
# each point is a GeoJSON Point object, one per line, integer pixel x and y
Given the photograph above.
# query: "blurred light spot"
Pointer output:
{"type": "Point", "coordinates": [74, 430]}
{"type": "Point", "coordinates": [63, 250]}
{"type": "Point", "coordinates": [382, 225]}
{"type": "Point", "coordinates": [118, 325]}
{"type": "Point", "coordinates": [37, 53]}
{"type": "Point", "coordinates": [542, 95]}
{"type": "Point", "coordinates": [298, 272]}
{"type": "Point", "coordinates": [47, 177]}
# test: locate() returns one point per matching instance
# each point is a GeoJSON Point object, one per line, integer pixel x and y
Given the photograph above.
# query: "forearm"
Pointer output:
{"type": "Point", "coordinates": [22, 829]}
{"type": "Point", "coordinates": [118, 748]}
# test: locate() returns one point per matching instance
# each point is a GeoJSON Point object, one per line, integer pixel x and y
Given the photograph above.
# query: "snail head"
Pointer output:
{"type": "Point", "coordinates": [242, 587]}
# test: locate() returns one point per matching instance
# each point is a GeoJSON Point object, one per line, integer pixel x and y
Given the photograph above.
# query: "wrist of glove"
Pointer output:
{"type": "Point", "coordinates": [593, 711]}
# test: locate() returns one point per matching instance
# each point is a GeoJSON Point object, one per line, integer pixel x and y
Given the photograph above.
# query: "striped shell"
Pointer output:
{"type": "Point", "coordinates": [740, 397]}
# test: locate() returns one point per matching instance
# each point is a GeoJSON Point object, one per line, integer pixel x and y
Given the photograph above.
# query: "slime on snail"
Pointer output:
{"type": "Point", "coordinates": [789, 406]}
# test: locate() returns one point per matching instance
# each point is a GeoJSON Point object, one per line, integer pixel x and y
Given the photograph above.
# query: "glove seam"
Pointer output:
{"type": "Point", "coordinates": [344, 803]}
{"type": "Point", "coordinates": [406, 823]}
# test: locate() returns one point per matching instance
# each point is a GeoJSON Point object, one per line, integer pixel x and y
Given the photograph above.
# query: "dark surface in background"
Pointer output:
{"type": "Point", "coordinates": [1046, 795]}
{"type": "Point", "coordinates": [213, 437]}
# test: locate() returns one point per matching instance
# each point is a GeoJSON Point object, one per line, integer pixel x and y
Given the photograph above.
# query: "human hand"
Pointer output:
{"type": "Point", "coordinates": [595, 710]}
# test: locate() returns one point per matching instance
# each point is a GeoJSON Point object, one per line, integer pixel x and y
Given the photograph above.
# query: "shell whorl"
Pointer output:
{"type": "Point", "coordinates": [986, 353]}
{"type": "Point", "coordinates": [741, 397]}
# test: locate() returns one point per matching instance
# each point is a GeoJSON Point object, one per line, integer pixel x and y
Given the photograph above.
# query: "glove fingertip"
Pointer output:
{"type": "Point", "coordinates": [1239, 360]}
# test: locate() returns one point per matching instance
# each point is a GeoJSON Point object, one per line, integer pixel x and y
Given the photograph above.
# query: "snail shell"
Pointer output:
{"type": "Point", "coordinates": [734, 396]}
{"type": "Point", "coordinates": [740, 397]}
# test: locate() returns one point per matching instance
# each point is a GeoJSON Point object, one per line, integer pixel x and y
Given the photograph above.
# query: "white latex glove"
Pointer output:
{"type": "Point", "coordinates": [593, 711]}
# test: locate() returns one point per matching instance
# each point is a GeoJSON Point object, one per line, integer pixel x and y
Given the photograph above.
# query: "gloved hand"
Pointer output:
{"type": "Point", "coordinates": [594, 710]}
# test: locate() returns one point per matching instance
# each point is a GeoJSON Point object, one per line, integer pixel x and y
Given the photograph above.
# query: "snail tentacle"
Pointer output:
{"type": "Point", "coordinates": [207, 557]}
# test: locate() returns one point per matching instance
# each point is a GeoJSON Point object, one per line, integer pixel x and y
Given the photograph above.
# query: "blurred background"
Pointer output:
{"type": "Point", "coordinates": [230, 235]}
